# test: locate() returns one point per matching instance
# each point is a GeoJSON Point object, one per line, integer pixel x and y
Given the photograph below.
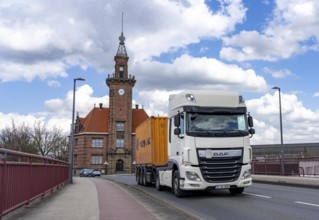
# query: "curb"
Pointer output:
{"type": "Point", "coordinates": [305, 182]}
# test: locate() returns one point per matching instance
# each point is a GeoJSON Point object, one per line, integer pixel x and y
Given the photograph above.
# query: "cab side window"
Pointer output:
{"type": "Point", "coordinates": [182, 123]}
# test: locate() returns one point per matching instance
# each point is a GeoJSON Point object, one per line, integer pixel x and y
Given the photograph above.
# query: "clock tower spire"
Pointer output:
{"type": "Point", "coordinates": [120, 147]}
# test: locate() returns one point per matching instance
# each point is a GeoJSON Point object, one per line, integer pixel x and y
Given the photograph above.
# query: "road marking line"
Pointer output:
{"type": "Point", "coordinates": [252, 194]}
{"type": "Point", "coordinates": [306, 203]}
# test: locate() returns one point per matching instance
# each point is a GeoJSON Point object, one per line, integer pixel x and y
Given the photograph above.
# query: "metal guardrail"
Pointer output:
{"type": "Point", "coordinates": [25, 177]}
{"type": "Point", "coordinates": [299, 166]}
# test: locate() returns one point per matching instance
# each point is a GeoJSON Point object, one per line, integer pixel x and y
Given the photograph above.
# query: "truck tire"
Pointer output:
{"type": "Point", "coordinates": [157, 182]}
{"type": "Point", "coordinates": [145, 183]}
{"type": "Point", "coordinates": [141, 176]}
{"type": "Point", "coordinates": [138, 176]}
{"type": "Point", "coordinates": [175, 186]}
{"type": "Point", "coordinates": [235, 191]}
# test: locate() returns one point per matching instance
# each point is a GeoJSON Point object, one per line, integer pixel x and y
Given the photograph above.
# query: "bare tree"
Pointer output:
{"type": "Point", "coordinates": [40, 139]}
{"type": "Point", "coordinates": [49, 142]}
{"type": "Point", "coordinates": [62, 153]}
{"type": "Point", "coordinates": [17, 138]}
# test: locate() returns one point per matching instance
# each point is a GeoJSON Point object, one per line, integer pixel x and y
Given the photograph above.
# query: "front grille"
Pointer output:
{"type": "Point", "coordinates": [221, 169]}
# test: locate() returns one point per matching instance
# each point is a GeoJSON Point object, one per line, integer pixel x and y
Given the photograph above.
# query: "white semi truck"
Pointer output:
{"type": "Point", "coordinates": [206, 144]}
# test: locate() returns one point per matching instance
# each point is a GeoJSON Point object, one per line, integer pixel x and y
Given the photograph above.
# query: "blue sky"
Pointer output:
{"type": "Point", "coordinates": [243, 45]}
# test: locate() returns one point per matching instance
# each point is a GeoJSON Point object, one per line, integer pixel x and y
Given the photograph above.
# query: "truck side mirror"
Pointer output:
{"type": "Point", "coordinates": [177, 131]}
{"type": "Point", "coordinates": [250, 121]}
{"type": "Point", "coordinates": [177, 121]}
{"type": "Point", "coordinates": [251, 131]}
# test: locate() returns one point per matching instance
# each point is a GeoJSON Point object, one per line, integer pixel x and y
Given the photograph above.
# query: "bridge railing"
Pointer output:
{"type": "Point", "coordinates": [25, 177]}
{"type": "Point", "coordinates": [296, 166]}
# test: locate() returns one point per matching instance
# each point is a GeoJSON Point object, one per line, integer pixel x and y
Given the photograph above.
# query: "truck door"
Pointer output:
{"type": "Point", "coordinates": [177, 135]}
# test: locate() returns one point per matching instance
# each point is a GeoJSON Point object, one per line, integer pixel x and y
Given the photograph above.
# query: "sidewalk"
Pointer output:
{"type": "Point", "coordinates": [76, 201]}
{"type": "Point", "coordinates": [97, 198]}
{"type": "Point", "coordinates": [85, 199]}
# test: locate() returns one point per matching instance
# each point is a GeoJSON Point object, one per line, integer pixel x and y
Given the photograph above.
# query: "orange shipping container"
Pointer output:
{"type": "Point", "coordinates": [151, 142]}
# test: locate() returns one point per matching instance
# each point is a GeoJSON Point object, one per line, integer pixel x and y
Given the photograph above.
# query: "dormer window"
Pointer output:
{"type": "Point", "coordinates": [121, 72]}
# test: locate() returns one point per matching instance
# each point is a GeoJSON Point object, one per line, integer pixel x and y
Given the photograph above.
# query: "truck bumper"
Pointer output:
{"type": "Point", "coordinates": [244, 180]}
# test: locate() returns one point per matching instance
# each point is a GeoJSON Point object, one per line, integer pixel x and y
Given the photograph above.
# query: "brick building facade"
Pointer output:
{"type": "Point", "coordinates": [105, 137]}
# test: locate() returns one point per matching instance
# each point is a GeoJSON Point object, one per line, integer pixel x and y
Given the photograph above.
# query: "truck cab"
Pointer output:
{"type": "Point", "coordinates": [208, 143]}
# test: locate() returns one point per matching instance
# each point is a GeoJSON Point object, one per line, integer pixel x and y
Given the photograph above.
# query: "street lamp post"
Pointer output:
{"type": "Point", "coordinates": [72, 131]}
{"type": "Point", "coordinates": [282, 153]}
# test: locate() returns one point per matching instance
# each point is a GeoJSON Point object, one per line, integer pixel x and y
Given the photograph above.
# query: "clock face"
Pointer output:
{"type": "Point", "coordinates": [121, 91]}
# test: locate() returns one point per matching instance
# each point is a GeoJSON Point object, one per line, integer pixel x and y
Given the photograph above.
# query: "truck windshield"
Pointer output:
{"type": "Point", "coordinates": [217, 125]}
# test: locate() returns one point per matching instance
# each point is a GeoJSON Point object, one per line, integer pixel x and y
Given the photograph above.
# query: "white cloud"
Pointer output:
{"type": "Point", "coordinates": [44, 38]}
{"type": "Point", "coordinates": [14, 71]}
{"type": "Point", "coordinates": [298, 121]}
{"type": "Point", "coordinates": [316, 94]}
{"type": "Point", "coordinates": [54, 83]}
{"type": "Point", "coordinates": [203, 49]}
{"type": "Point", "coordinates": [196, 73]}
{"type": "Point", "coordinates": [58, 112]}
{"type": "Point", "coordinates": [164, 35]}
{"type": "Point", "coordinates": [155, 102]}
{"type": "Point", "coordinates": [293, 29]}
{"type": "Point", "coordinates": [279, 74]}
{"type": "Point", "coordinates": [84, 102]}
{"type": "Point", "coordinates": [18, 119]}
{"type": "Point", "coordinates": [251, 45]}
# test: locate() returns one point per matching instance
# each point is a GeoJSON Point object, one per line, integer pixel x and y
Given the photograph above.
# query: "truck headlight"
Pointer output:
{"type": "Point", "coordinates": [192, 176]}
{"type": "Point", "coordinates": [246, 174]}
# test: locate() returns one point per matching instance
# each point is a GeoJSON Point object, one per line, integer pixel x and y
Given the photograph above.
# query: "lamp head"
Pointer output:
{"type": "Point", "coordinates": [276, 87]}
{"type": "Point", "coordinates": [80, 79]}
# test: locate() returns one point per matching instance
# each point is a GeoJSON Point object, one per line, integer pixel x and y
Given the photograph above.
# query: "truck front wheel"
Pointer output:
{"type": "Point", "coordinates": [176, 185]}
{"type": "Point", "coordinates": [157, 182]}
{"type": "Point", "coordinates": [234, 191]}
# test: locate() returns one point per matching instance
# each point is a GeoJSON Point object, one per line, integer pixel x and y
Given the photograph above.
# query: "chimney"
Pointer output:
{"type": "Point", "coordinates": [101, 105]}
{"type": "Point", "coordinates": [136, 106]}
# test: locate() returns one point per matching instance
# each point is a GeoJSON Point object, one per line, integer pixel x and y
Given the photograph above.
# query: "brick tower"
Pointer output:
{"type": "Point", "coordinates": [120, 141]}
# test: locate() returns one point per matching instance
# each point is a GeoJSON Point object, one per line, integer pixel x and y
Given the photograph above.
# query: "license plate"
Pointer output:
{"type": "Point", "coordinates": [222, 187]}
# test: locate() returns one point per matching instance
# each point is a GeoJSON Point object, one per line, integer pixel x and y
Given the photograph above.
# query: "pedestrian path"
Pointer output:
{"type": "Point", "coordinates": [115, 203]}
{"type": "Point", "coordinates": [85, 199]}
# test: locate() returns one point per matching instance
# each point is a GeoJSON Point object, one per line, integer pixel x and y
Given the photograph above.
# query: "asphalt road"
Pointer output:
{"type": "Point", "coordinates": [260, 201]}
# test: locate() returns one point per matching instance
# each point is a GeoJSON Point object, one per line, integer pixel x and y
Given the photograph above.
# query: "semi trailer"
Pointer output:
{"type": "Point", "coordinates": [203, 144]}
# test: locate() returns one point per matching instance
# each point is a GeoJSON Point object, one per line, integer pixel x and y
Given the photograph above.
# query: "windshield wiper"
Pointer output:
{"type": "Point", "coordinates": [243, 133]}
{"type": "Point", "coordinates": [211, 134]}
{"type": "Point", "coordinates": [238, 132]}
